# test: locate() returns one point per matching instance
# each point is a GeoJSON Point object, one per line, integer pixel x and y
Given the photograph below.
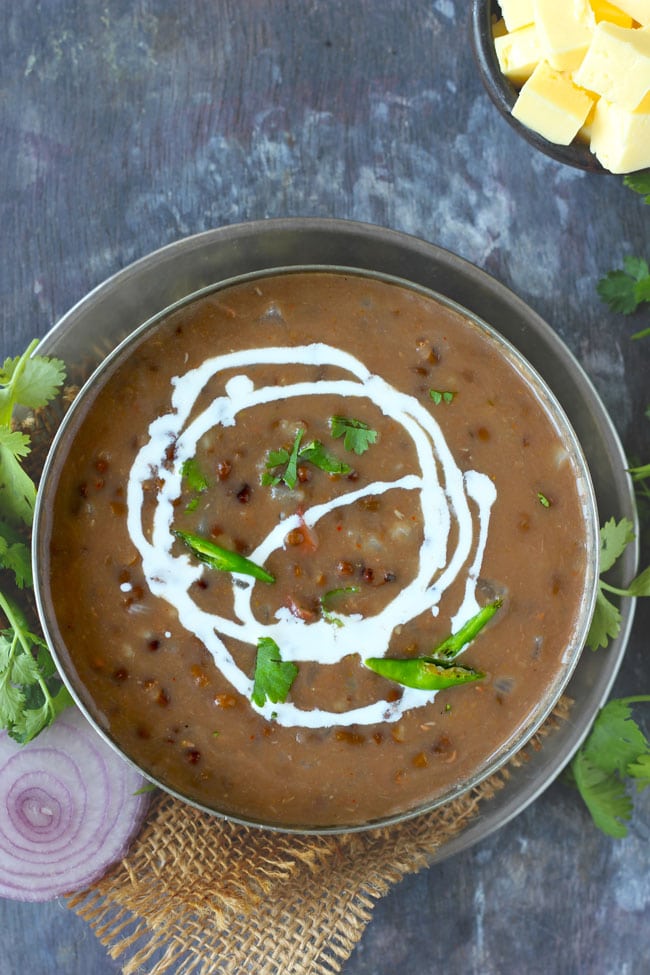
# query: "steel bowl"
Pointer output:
{"type": "Point", "coordinates": [107, 319]}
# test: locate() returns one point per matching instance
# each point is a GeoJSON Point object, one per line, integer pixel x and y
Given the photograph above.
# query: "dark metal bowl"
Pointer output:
{"type": "Point", "coordinates": [504, 94]}
{"type": "Point", "coordinates": [88, 333]}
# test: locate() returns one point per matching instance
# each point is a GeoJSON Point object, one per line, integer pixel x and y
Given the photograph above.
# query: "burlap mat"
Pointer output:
{"type": "Point", "coordinates": [200, 895]}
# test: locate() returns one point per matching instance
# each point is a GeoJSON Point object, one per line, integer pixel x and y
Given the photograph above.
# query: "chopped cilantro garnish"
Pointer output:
{"type": "Point", "coordinates": [283, 459]}
{"type": "Point", "coordinates": [441, 396]}
{"type": "Point", "coordinates": [325, 599]}
{"type": "Point", "coordinates": [273, 675]}
{"type": "Point", "coordinates": [196, 479]}
{"type": "Point", "coordinates": [606, 623]}
{"type": "Point", "coordinates": [616, 754]}
{"type": "Point", "coordinates": [287, 463]}
{"type": "Point", "coordinates": [316, 454]}
{"type": "Point", "coordinates": [543, 500]}
{"type": "Point", "coordinates": [357, 435]}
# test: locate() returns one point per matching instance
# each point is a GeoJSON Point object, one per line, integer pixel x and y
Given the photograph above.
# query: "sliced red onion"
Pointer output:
{"type": "Point", "coordinates": [68, 810]}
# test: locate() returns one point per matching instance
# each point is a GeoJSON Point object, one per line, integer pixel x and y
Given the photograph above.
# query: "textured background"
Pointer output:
{"type": "Point", "coordinates": [128, 125]}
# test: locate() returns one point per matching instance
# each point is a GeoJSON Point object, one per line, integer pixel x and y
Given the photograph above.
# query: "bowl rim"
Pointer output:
{"type": "Point", "coordinates": [550, 403]}
{"type": "Point", "coordinates": [504, 94]}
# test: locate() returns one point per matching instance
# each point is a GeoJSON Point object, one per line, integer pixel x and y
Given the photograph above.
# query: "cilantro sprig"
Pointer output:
{"type": "Point", "coordinates": [273, 675]}
{"type": "Point", "coordinates": [614, 758]}
{"type": "Point", "coordinates": [627, 288]}
{"type": "Point", "coordinates": [357, 435]}
{"type": "Point", "coordinates": [196, 481]}
{"type": "Point", "coordinates": [606, 623]}
{"type": "Point", "coordinates": [624, 290]}
{"type": "Point", "coordinates": [31, 693]}
{"type": "Point", "coordinates": [326, 610]}
{"type": "Point", "coordinates": [282, 465]}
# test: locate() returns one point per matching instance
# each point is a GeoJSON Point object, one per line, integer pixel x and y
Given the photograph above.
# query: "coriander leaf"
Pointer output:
{"type": "Point", "coordinates": [615, 739]}
{"type": "Point", "coordinates": [615, 751]}
{"type": "Point", "coordinates": [15, 556]}
{"type": "Point", "coordinates": [282, 458]}
{"type": "Point", "coordinates": [28, 380]}
{"type": "Point", "coordinates": [316, 454]}
{"type": "Point", "coordinates": [277, 457]}
{"type": "Point", "coordinates": [441, 396]}
{"type": "Point", "coordinates": [31, 692]}
{"type": "Point", "coordinates": [616, 289]}
{"type": "Point", "coordinates": [624, 290]}
{"type": "Point", "coordinates": [605, 624]}
{"type": "Point", "coordinates": [639, 770]}
{"type": "Point", "coordinates": [636, 267]}
{"type": "Point", "coordinates": [614, 539]}
{"type": "Point", "coordinates": [24, 669]}
{"type": "Point", "coordinates": [273, 676]}
{"type": "Point", "coordinates": [604, 795]}
{"type": "Point", "coordinates": [357, 435]}
{"type": "Point", "coordinates": [194, 476]}
{"type": "Point", "coordinates": [39, 382]}
{"type": "Point", "coordinates": [641, 585]}
{"type": "Point", "coordinates": [17, 490]}
{"type": "Point", "coordinates": [639, 182]}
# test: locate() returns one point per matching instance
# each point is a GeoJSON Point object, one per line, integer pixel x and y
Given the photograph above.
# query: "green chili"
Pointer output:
{"type": "Point", "coordinates": [455, 642]}
{"type": "Point", "coordinates": [433, 672]}
{"type": "Point", "coordinates": [221, 558]}
{"type": "Point", "coordinates": [422, 673]}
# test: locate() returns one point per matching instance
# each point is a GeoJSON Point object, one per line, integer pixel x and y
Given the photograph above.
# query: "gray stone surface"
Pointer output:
{"type": "Point", "coordinates": [127, 124]}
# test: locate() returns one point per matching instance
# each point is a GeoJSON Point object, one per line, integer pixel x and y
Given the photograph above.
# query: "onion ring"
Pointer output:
{"type": "Point", "coordinates": [69, 810]}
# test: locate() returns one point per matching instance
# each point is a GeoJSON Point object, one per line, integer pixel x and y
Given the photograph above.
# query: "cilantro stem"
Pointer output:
{"type": "Point", "coordinates": [6, 413]}
{"type": "Point", "coordinates": [18, 627]}
{"type": "Point", "coordinates": [614, 589]}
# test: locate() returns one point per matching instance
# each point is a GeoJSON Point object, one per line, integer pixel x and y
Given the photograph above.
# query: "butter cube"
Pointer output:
{"type": "Point", "coordinates": [518, 53]}
{"type": "Point", "coordinates": [517, 13]}
{"type": "Point", "coordinates": [550, 104]}
{"type": "Point", "coordinates": [639, 9]}
{"type": "Point", "coordinates": [620, 139]}
{"type": "Point", "coordinates": [565, 28]}
{"type": "Point", "coordinates": [617, 65]}
{"type": "Point", "coordinates": [604, 10]}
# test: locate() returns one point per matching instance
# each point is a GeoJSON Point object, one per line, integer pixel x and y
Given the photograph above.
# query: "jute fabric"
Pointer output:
{"type": "Point", "coordinates": [197, 894]}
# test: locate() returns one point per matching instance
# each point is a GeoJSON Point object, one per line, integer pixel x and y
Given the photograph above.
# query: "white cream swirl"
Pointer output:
{"type": "Point", "coordinates": [170, 576]}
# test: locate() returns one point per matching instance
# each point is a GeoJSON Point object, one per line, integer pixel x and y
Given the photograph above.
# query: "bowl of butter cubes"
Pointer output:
{"type": "Point", "coordinates": [571, 76]}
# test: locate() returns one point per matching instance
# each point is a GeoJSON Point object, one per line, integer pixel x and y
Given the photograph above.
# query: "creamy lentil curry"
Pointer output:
{"type": "Point", "coordinates": [390, 474]}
